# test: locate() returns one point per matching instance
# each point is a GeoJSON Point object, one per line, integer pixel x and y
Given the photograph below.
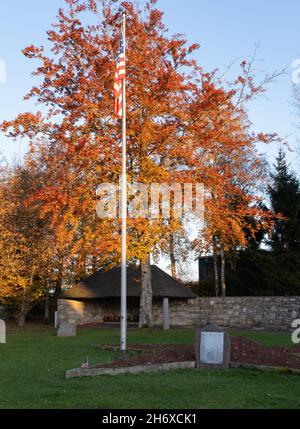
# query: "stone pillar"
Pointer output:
{"type": "Point", "coordinates": [2, 332]}
{"type": "Point", "coordinates": [166, 314]}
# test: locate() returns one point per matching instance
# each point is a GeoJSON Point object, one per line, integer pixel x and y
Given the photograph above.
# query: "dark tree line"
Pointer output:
{"type": "Point", "coordinates": [271, 263]}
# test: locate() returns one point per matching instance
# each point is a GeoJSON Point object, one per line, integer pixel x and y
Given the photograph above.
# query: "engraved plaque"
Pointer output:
{"type": "Point", "coordinates": [212, 348]}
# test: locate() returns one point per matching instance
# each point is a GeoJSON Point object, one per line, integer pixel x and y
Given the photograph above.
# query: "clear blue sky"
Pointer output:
{"type": "Point", "coordinates": [226, 29]}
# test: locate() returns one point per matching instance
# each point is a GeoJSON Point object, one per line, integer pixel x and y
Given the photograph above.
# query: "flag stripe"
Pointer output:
{"type": "Point", "coordinates": [119, 78]}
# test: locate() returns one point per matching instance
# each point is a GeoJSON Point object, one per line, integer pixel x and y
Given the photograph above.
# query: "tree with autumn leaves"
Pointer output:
{"type": "Point", "coordinates": [25, 261]}
{"type": "Point", "coordinates": [184, 125]}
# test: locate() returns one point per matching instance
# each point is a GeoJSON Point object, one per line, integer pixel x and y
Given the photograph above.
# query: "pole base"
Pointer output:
{"type": "Point", "coordinates": [123, 354]}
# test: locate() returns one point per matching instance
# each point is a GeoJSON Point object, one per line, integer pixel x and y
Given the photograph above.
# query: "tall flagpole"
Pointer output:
{"type": "Point", "coordinates": [124, 211]}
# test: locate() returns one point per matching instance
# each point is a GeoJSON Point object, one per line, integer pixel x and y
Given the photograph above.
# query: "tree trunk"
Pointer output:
{"type": "Point", "coordinates": [94, 264]}
{"type": "Point", "coordinates": [58, 289]}
{"type": "Point", "coordinates": [146, 294]}
{"type": "Point", "coordinates": [23, 312]}
{"type": "Point", "coordinates": [25, 306]}
{"type": "Point", "coordinates": [223, 284]}
{"type": "Point", "coordinates": [216, 271]}
{"type": "Point", "coordinates": [172, 258]}
{"type": "Point", "coordinates": [47, 307]}
{"type": "Point", "coordinates": [21, 320]}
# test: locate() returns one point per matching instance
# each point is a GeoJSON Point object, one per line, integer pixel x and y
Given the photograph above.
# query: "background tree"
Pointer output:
{"type": "Point", "coordinates": [284, 194]}
{"type": "Point", "coordinates": [234, 213]}
{"type": "Point", "coordinates": [274, 271]}
{"type": "Point", "coordinates": [24, 243]}
{"type": "Point", "coordinates": [181, 122]}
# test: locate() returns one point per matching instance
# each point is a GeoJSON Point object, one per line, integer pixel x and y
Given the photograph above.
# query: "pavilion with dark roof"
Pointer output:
{"type": "Point", "coordinates": [97, 298]}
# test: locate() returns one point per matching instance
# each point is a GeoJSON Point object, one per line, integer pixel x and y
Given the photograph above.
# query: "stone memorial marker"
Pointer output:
{"type": "Point", "coordinates": [66, 330]}
{"type": "Point", "coordinates": [212, 347]}
{"type": "Point", "coordinates": [2, 332]}
{"type": "Point", "coordinates": [55, 320]}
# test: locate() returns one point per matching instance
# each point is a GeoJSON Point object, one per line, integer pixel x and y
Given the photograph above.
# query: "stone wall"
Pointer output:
{"type": "Point", "coordinates": [236, 312]}
{"type": "Point", "coordinates": [99, 311]}
{"type": "Point", "coordinates": [70, 311]}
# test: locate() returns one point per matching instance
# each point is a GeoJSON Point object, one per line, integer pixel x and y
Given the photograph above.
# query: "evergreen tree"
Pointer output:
{"type": "Point", "coordinates": [284, 195]}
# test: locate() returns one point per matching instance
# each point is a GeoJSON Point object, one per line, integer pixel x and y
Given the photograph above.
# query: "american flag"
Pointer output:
{"type": "Point", "coordinates": [119, 77]}
{"type": "Point", "coordinates": [85, 363]}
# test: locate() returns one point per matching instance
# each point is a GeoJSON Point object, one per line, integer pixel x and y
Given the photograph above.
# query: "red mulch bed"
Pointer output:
{"type": "Point", "coordinates": [152, 354]}
{"type": "Point", "coordinates": [243, 350]}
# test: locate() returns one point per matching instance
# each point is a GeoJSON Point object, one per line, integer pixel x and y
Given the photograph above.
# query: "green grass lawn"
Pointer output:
{"type": "Point", "coordinates": [33, 364]}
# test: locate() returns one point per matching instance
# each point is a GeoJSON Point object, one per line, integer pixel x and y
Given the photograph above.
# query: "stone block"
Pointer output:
{"type": "Point", "coordinates": [212, 348]}
{"type": "Point", "coordinates": [67, 330]}
{"type": "Point", "coordinates": [2, 332]}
